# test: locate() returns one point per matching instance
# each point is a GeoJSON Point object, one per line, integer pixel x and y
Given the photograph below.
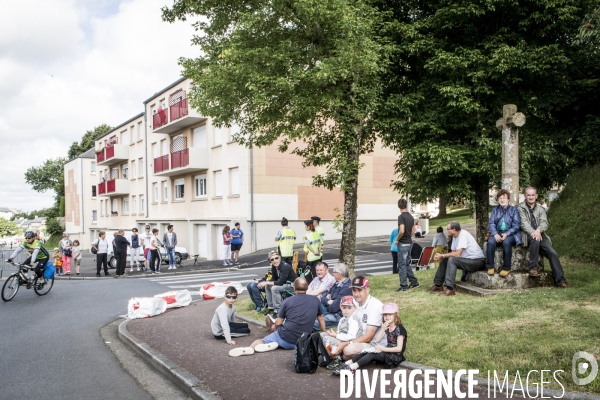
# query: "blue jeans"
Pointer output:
{"type": "Point", "coordinates": [331, 321]}
{"type": "Point", "coordinates": [507, 246]}
{"type": "Point", "coordinates": [171, 254]}
{"type": "Point", "coordinates": [254, 293]}
{"type": "Point", "coordinates": [404, 269]}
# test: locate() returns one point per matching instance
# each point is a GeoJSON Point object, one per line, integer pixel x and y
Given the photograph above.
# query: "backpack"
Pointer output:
{"type": "Point", "coordinates": [92, 249]}
{"type": "Point", "coordinates": [306, 354]}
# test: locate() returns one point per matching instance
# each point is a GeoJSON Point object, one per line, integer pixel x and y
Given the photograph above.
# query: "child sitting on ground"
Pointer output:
{"type": "Point", "coordinates": [349, 328]}
{"type": "Point", "coordinates": [393, 354]}
{"type": "Point", "coordinates": [57, 257]}
{"type": "Point", "coordinates": [223, 324]}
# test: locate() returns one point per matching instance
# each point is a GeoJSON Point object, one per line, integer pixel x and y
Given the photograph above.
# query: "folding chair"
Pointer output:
{"type": "Point", "coordinates": [415, 254]}
{"type": "Point", "coordinates": [425, 258]}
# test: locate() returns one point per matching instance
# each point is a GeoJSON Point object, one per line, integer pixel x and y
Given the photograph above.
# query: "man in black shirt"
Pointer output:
{"type": "Point", "coordinates": [285, 274]}
{"type": "Point", "coordinates": [121, 245]}
{"type": "Point", "coordinates": [406, 222]}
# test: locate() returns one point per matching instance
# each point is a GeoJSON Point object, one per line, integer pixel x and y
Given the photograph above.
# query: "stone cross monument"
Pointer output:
{"type": "Point", "coordinates": [509, 125]}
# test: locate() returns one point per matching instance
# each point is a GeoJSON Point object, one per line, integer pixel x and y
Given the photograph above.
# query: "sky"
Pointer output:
{"type": "Point", "coordinates": [67, 66]}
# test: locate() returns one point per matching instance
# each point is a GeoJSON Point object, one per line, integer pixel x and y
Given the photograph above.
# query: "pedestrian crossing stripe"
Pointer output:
{"type": "Point", "coordinates": [206, 279]}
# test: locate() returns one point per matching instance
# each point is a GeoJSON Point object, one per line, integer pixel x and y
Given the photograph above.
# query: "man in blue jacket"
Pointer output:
{"type": "Point", "coordinates": [504, 227]}
{"type": "Point", "coordinates": [330, 301]}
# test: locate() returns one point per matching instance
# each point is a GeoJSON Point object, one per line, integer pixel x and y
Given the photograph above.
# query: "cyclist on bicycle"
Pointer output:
{"type": "Point", "coordinates": [38, 253]}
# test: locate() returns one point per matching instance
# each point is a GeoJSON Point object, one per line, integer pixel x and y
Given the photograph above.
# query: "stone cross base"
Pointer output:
{"type": "Point", "coordinates": [519, 276]}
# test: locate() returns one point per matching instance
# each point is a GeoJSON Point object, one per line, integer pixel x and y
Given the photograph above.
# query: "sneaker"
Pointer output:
{"type": "Point", "coordinates": [170, 267]}
{"type": "Point", "coordinates": [241, 351]}
{"type": "Point", "coordinates": [258, 309]}
{"type": "Point", "coordinates": [148, 270]}
{"type": "Point", "coordinates": [337, 370]}
{"type": "Point", "coordinates": [236, 263]}
{"type": "Point", "coordinates": [334, 364]}
{"type": "Point", "coordinates": [98, 275]}
{"type": "Point", "coordinates": [401, 290]}
{"type": "Point", "coordinates": [261, 348]}
{"type": "Point", "coordinates": [411, 286]}
{"type": "Point", "coordinates": [77, 274]}
{"type": "Point", "coordinates": [157, 272]}
{"type": "Point", "coordinates": [138, 269]}
{"type": "Point", "coordinates": [225, 264]}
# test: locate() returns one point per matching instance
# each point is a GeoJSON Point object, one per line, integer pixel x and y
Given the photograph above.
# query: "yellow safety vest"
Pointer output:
{"type": "Point", "coordinates": [315, 241]}
{"type": "Point", "coordinates": [321, 233]}
{"type": "Point", "coordinates": [286, 242]}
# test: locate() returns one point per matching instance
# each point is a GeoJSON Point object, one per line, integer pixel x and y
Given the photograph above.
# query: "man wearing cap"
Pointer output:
{"type": "Point", "coordinates": [312, 248]}
{"type": "Point", "coordinates": [285, 275]}
{"type": "Point", "coordinates": [331, 300]}
{"type": "Point", "coordinates": [236, 243]}
{"type": "Point", "coordinates": [369, 311]}
{"type": "Point", "coordinates": [319, 229]}
{"type": "Point", "coordinates": [286, 238]}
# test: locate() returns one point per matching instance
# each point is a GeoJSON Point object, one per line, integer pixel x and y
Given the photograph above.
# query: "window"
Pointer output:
{"type": "Point", "coordinates": [93, 190]}
{"type": "Point", "coordinates": [94, 215]}
{"type": "Point", "coordinates": [199, 137]}
{"type": "Point", "coordinates": [126, 205]}
{"type": "Point", "coordinates": [217, 136]}
{"type": "Point", "coordinates": [164, 147]}
{"type": "Point", "coordinates": [124, 138]}
{"type": "Point", "coordinates": [139, 131]}
{"type": "Point", "coordinates": [155, 191]}
{"type": "Point", "coordinates": [133, 170]}
{"type": "Point", "coordinates": [106, 208]}
{"type": "Point", "coordinates": [235, 130]}
{"type": "Point", "coordinates": [234, 181]}
{"type": "Point", "coordinates": [142, 204]}
{"type": "Point", "coordinates": [125, 169]}
{"type": "Point", "coordinates": [165, 191]}
{"type": "Point", "coordinates": [101, 207]}
{"type": "Point", "coordinates": [133, 204]}
{"type": "Point", "coordinates": [93, 167]}
{"type": "Point", "coordinates": [155, 150]}
{"type": "Point", "coordinates": [179, 192]}
{"type": "Point", "coordinates": [200, 186]}
{"type": "Point", "coordinates": [218, 183]}
{"type": "Point", "coordinates": [141, 163]}
{"type": "Point", "coordinates": [115, 205]}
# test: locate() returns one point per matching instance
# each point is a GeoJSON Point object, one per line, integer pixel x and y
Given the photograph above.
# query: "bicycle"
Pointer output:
{"type": "Point", "coordinates": [19, 278]}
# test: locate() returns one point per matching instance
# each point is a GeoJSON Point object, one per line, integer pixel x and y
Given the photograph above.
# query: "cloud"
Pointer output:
{"type": "Point", "coordinates": [71, 66]}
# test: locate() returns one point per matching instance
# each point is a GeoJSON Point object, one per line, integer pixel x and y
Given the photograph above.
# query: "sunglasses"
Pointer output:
{"type": "Point", "coordinates": [231, 297]}
{"type": "Point", "coordinates": [274, 258]}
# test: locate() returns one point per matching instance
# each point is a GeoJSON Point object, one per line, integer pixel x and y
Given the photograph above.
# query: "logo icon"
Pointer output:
{"type": "Point", "coordinates": [581, 368]}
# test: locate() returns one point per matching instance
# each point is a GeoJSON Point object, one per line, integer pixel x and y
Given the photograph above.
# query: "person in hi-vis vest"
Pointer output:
{"type": "Point", "coordinates": [286, 238]}
{"type": "Point", "coordinates": [317, 223]}
{"type": "Point", "coordinates": [312, 248]}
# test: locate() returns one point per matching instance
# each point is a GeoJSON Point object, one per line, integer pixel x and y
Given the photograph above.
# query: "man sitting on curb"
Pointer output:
{"type": "Point", "coordinates": [323, 282]}
{"type": "Point", "coordinates": [285, 274]}
{"type": "Point", "coordinates": [299, 312]}
{"type": "Point", "coordinates": [368, 311]}
{"type": "Point", "coordinates": [331, 300]}
{"type": "Point", "coordinates": [466, 255]}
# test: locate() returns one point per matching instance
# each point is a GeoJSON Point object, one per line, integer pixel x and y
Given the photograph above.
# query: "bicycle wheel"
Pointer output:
{"type": "Point", "coordinates": [10, 288]}
{"type": "Point", "coordinates": [42, 288]}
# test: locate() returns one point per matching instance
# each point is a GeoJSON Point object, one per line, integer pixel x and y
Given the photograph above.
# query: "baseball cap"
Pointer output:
{"type": "Point", "coordinates": [360, 282]}
{"type": "Point", "coordinates": [390, 308]}
{"type": "Point", "coordinates": [347, 301]}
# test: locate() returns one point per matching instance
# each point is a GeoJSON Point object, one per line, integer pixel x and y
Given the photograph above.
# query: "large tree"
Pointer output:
{"type": "Point", "coordinates": [457, 64]}
{"type": "Point", "coordinates": [8, 228]}
{"type": "Point", "coordinates": [87, 141]}
{"type": "Point", "coordinates": [305, 73]}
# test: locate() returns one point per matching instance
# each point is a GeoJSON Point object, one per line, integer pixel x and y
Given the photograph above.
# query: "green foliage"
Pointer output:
{"type": "Point", "coordinates": [589, 32]}
{"type": "Point", "coordinates": [87, 141]}
{"type": "Point", "coordinates": [62, 206]}
{"type": "Point", "coordinates": [574, 216]}
{"type": "Point", "coordinates": [44, 212]}
{"type": "Point", "coordinates": [49, 176]}
{"type": "Point", "coordinates": [53, 227]}
{"type": "Point", "coordinates": [53, 240]}
{"type": "Point", "coordinates": [8, 228]}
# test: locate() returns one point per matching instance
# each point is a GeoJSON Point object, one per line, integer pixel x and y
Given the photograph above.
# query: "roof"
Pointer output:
{"type": "Point", "coordinates": [5, 209]}
{"type": "Point", "coordinates": [120, 125]}
{"type": "Point", "coordinates": [178, 81]}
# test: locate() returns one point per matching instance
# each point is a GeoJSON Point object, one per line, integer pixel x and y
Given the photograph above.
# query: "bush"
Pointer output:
{"type": "Point", "coordinates": [574, 216]}
{"type": "Point", "coordinates": [53, 227]}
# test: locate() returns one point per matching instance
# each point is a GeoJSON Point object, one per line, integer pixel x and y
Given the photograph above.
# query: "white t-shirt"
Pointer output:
{"type": "Point", "coordinates": [147, 237]}
{"type": "Point", "coordinates": [76, 252]}
{"type": "Point", "coordinates": [371, 314]}
{"type": "Point", "coordinates": [153, 243]}
{"type": "Point", "coordinates": [467, 242]}
{"type": "Point", "coordinates": [170, 236]}
{"type": "Point", "coordinates": [102, 246]}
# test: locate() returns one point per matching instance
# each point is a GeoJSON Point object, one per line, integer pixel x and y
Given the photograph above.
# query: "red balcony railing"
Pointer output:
{"type": "Point", "coordinates": [110, 152]}
{"type": "Point", "coordinates": [101, 187]}
{"type": "Point", "coordinates": [111, 186]}
{"type": "Point", "coordinates": [159, 119]}
{"type": "Point", "coordinates": [179, 109]}
{"type": "Point", "coordinates": [100, 156]}
{"type": "Point", "coordinates": [161, 164]}
{"type": "Point", "coordinates": [180, 159]}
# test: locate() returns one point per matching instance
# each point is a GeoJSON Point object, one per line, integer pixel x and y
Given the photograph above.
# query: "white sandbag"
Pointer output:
{"type": "Point", "coordinates": [216, 290]}
{"type": "Point", "coordinates": [176, 298]}
{"type": "Point", "coordinates": [145, 307]}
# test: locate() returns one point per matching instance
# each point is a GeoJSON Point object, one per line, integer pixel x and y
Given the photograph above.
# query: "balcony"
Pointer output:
{"type": "Point", "coordinates": [114, 187]}
{"type": "Point", "coordinates": [114, 154]}
{"type": "Point", "coordinates": [184, 161]}
{"type": "Point", "coordinates": [177, 117]}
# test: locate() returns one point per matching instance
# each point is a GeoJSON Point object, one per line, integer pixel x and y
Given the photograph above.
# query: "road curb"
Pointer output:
{"type": "Point", "coordinates": [178, 375]}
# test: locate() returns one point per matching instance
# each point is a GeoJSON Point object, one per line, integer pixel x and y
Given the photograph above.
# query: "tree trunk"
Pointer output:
{"type": "Point", "coordinates": [348, 245]}
{"type": "Point", "coordinates": [482, 199]}
{"type": "Point", "coordinates": [442, 206]}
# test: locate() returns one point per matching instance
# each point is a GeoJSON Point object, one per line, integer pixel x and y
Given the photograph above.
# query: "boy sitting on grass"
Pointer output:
{"type": "Point", "coordinates": [223, 324]}
{"type": "Point", "coordinates": [349, 328]}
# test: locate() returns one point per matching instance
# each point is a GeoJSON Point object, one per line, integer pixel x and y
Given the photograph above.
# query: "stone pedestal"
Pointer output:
{"type": "Point", "coordinates": [519, 276]}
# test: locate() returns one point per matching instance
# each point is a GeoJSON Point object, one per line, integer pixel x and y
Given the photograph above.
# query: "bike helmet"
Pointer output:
{"type": "Point", "coordinates": [29, 235]}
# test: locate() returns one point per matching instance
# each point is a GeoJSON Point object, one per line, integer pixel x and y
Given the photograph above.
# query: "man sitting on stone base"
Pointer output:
{"type": "Point", "coordinates": [465, 254]}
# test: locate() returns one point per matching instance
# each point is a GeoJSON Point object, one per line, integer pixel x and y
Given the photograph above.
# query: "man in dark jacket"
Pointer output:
{"type": "Point", "coordinates": [285, 277]}
{"type": "Point", "coordinates": [505, 231]}
{"type": "Point", "coordinates": [331, 300]}
{"type": "Point", "coordinates": [121, 245]}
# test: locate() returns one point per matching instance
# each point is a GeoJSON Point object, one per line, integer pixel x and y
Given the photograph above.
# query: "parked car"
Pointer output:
{"type": "Point", "coordinates": [181, 253]}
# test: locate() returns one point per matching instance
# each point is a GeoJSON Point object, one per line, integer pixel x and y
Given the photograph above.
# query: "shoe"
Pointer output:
{"type": "Point", "coordinates": [270, 322]}
{"type": "Point", "coordinates": [107, 274]}
{"type": "Point", "coordinates": [533, 272]}
{"type": "Point", "coordinates": [338, 371]}
{"type": "Point", "coordinates": [138, 269]}
{"type": "Point", "coordinates": [241, 351]}
{"type": "Point", "coordinates": [77, 274]}
{"type": "Point", "coordinates": [447, 292]}
{"type": "Point", "coordinates": [491, 271]}
{"type": "Point", "coordinates": [148, 270]}
{"type": "Point", "coordinates": [411, 286]}
{"type": "Point", "coordinates": [117, 276]}
{"type": "Point", "coordinates": [261, 348]}
{"type": "Point", "coordinates": [563, 285]}
{"type": "Point", "coordinates": [436, 288]}
{"type": "Point", "coordinates": [170, 267]}
{"type": "Point", "coordinates": [157, 272]}
{"type": "Point", "coordinates": [225, 264]}
{"type": "Point", "coordinates": [401, 290]}
{"type": "Point", "coordinates": [98, 275]}
{"type": "Point", "coordinates": [504, 273]}
{"type": "Point", "coordinates": [258, 309]}
{"type": "Point", "coordinates": [131, 270]}
{"type": "Point", "coordinates": [336, 362]}
{"type": "Point", "coordinates": [323, 364]}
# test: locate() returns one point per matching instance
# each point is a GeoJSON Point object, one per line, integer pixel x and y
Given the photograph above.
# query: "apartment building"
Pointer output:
{"type": "Point", "coordinates": [170, 165]}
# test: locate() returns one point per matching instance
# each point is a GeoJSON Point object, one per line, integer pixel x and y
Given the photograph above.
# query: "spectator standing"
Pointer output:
{"type": "Point", "coordinates": [101, 246]}
{"type": "Point", "coordinates": [147, 255]}
{"type": "Point", "coordinates": [154, 253]}
{"type": "Point", "coordinates": [170, 241]}
{"type": "Point", "coordinates": [394, 250]}
{"type": "Point", "coordinates": [256, 287]}
{"type": "Point", "coordinates": [404, 242]}
{"type": "Point", "coordinates": [134, 252]}
{"type": "Point", "coordinates": [317, 223]}
{"type": "Point", "coordinates": [64, 246]}
{"type": "Point", "coordinates": [226, 246]}
{"type": "Point", "coordinates": [286, 238]}
{"type": "Point", "coordinates": [76, 251]}
{"type": "Point", "coordinates": [121, 246]}
{"type": "Point", "coordinates": [331, 300]}
{"type": "Point", "coordinates": [312, 248]}
{"type": "Point", "coordinates": [236, 243]}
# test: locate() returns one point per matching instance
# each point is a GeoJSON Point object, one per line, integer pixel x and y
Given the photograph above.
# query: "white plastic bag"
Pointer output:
{"type": "Point", "coordinates": [216, 290]}
{"type": "Point", "coordinates": [145, 307]}
{"type": "Point", "coordinates": [176, 298]}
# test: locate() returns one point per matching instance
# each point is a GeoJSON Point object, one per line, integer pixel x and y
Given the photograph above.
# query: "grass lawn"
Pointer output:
{"type": "Point", "coordinates": [529, 330]}
{"type": "Point", "coordinates": [461, 215]}
{"type": "Point", "coordinates": [52, 241]}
